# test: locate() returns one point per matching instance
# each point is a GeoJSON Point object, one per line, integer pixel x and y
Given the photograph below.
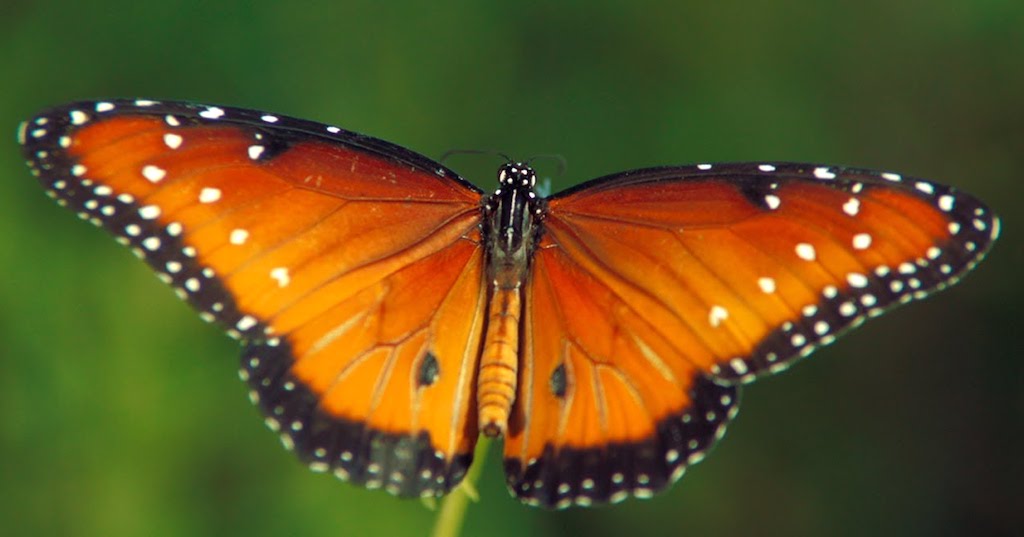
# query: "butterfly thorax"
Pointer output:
{"type": "Point", "coordinates": [512, 217]}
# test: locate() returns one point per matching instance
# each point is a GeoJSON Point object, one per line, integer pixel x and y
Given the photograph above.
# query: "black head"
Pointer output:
{"type": "Point", "coordinates": [516, 174]}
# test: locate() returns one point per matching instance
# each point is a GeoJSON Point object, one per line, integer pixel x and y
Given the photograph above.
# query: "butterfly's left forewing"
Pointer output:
{"type": "Point", "coordinates": [350, 268]}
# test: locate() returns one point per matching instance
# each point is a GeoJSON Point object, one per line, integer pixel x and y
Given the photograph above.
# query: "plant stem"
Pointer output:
{"type": "Point", "coordinates": [453, 507]}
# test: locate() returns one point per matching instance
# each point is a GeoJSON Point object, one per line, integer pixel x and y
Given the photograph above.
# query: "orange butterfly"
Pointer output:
{"type": "Point", "coordinates": [391, 311]}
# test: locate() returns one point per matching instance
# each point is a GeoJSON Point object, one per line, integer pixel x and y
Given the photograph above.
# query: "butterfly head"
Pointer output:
{"type": "Point", "coordinates": [516, 174]}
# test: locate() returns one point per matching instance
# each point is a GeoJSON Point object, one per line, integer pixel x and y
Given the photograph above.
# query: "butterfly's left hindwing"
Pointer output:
{"type": "Point", "coordinates": [600, 414]}
{"type": "Point", "coordinates": [350, 268]}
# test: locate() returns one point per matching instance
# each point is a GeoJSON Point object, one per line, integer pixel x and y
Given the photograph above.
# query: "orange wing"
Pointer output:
{"type": "Point", "coordinates": [655, 292]}
{"type": "Point", "coordinates": [350, 268]}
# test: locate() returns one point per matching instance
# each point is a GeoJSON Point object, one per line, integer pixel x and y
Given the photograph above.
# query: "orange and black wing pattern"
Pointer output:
{"type": "Point", "coordinates": [655, 293]}
{"type": "Point", "coordinates": [390, 313]}
{"type": "Point", "coordinates": [351, 269]}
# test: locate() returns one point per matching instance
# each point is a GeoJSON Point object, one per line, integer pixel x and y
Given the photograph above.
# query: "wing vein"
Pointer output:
{"type": "Point", "coordinates": [643, 291]}
{"type": "Point", "coordinates": [415, 247]}
{"type": "Point", "coordinates": [471, 351]}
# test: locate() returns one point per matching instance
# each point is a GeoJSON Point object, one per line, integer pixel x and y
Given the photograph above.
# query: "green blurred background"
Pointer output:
{"type": "Point", "coordinates": [121, 413]}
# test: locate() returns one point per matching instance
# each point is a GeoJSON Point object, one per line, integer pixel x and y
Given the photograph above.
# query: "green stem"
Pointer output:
{"type": "Point", "coordinates": [453, 507]}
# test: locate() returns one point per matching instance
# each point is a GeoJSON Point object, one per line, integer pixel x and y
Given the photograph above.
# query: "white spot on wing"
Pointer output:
{"type": "Point", "coordinates": [766, 284]}
{"type": "Point", "coordinates": [852, 207]}
{"type": "Point", "coordinates": [212, 113]}
{"type": "Point", "coordinates": [153, 173]}
{"type": "Point", "coordinates": [824, 173]}
{"type": "Point", "coordinates": [255, 151]}
{"type": "Point", "coordinates": [172, 140]}
{"type": "Point", "coordinates": [772, 201]}
{"type": "Point", "coordinates": [847, 309]}
{"type": "Point", "coordinates": [245, 323]}
{"type": "Point", "coordinates": [856, 279]}
{"type": "Point", "coordinates": [149, 212]}
{"type": "Point", "coordinates": [238, 236]}
{"type": "Point", "coordinates": [805, 251]}
{"type": "Point", "coordinates": [717, 315]}
{"type": "Point", "coordinates": [281, 275]}
{"type": "Point", "coordinates": [209, 195]}
{"type": "Point", "coordinates": [861, 241]}
{"type": "Point", "coordinates": [946, 202]}
{"type": "Point", "coordinates": [78, 117]}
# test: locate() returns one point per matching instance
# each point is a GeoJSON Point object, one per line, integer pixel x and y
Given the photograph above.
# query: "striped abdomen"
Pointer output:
{"type": "Point", "coordinates": [499, 361]}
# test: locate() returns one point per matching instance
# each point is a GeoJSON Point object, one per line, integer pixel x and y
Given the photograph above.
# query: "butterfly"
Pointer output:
{"type": "Point", "coordinates": [391, 312]}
